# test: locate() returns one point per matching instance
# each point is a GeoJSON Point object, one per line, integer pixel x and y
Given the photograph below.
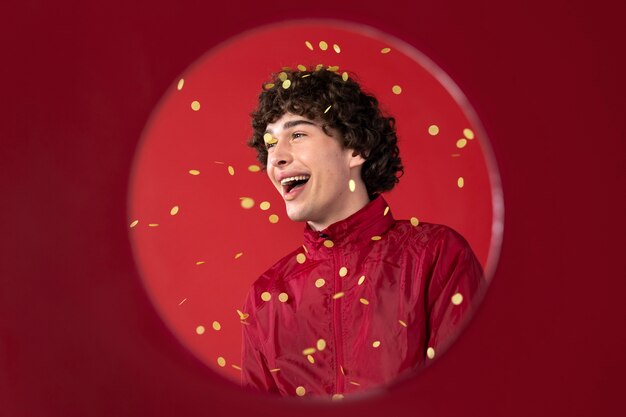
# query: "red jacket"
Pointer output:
{"type": "Point", "coordinates": [365, 300]}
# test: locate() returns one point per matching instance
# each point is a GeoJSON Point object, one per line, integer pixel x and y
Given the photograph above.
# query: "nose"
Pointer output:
{"type": "Point", "coordinates": [281, 154]}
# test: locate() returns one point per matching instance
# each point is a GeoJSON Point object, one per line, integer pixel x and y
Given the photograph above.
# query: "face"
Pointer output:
{"type": "Point", "coordinates": [311, 171]}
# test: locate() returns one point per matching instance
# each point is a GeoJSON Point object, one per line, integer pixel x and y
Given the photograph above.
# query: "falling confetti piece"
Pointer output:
{"type": "Point", "coordinates": [355, 383]}
{"type": "Point", "coordinates": [461, 143]}
{"type": "Point", "coordinates": [273, 218]}
{"type": "Point", "coordinates": [328, 108]}
{"type": "Point", "coordinates": [308, 45]}
{"type": "Point", "coordinates": [457, 299]}
{"type": "Point", "coordinates": [376, 343]}
{"type": "Point", "coordinates": [269, 139]}
{"type": "Point", "coordinates": [308, 351]}
{"type": "Point", "coordinates": [333, 68]}
{"type": "Point", "coordinates": [200, 263]}
{"type": "Point", "coordinates": [338, 295]}
{"type": "Point", "coordinates": [433, 130]}
{"type": "Point", "coordinates": [402, 323]}
{"type": "Point", "coordinates": [321, 345]}
{"type": "Point", "coordinates": [343, 271]}
{"type": "Point", "coordinates": [460, 182]}
{"type": "Point", "coordinates": [265, 205]}
{"type": "Point", "coordinates": [329, 243]}
{"type": "Point", "coordinates": [200, 330]}
{"type": "Point", "coordinates": [364, 301]}
{"type": "Point", "coordinates": [386, 211]}
{"type": "Point", "coordinates": [337, 397]}
{"type": "Point", "coordinates": [275, 370]}
{"type": "Point", "coordinates": [134, 223]}
{"type": "Point", "coordinates": [282, 76]}
{"type": "Point", "coordinates": [246, 202]}
{"type": "Point", "coordinates": [319, 283]}
{"type": "Point", "coordinates": [361, 280]}
{"type": "Point", "coordinates": [217, 326]}
{"type": "Point", "coordinates": [242, 315]}
{"type": "Point", "coordinates": [180, 84]}
{"type": "Point", "coordinates": [310, 358]}
{"type": "Point", "coordinates": [319, 67]}
{"type": "Point", "coordinates": [153, 225]}
{"type": "Point", "coordinates": [385, 50]}
{"type": "Point", "coordinates": [300, 258]}
{"type": "Point", "coordinates": [235, 367]}
{"type": "Point", "coordinates": [300, 391]}
{"type": "Point", "coordinates": [195, 105]}
{"type": "Point", "coordinates": [343, 372]}
{"type": "Point", "coordinates": [238, 255]}
{"type": "Point", "coordinates": [183, 300]}
{"type": "Point", "coordinates": [286, 84]}
{"type": "Point", "coordinates": [336, 48]}
{"type": "Point", "coordinates": [301, 67]}
{"type": "Point", "coordinates": [352, 185]}
{"type": "Point", "coordinates": [414, 221]}
{"type": "Point", "coordinates": [283, 297]}
{"type": "Point", "coordinates": [174, 210]}
{"type": "Point", "coordinates": [266, 296]}
{"type": "Point", "coordinates": [430, 352]}
{"type": "Point", "coordinates": [396, 89]}
{"type": "Point", "coordinates": [323, 45]}
{"type": "Point", "coordinates": [254, 168]}
{"type": "Point", "coordinates": [344, 76]}
{"type": "Point", "coordinates": [221, 362]}
{"type": "Point", "coordinates": [231, 170]}
{"type": "Point", "coordinates": [468, 133]}
{"type": "Point", "coordinates": [376, 237]}
{"type": "Point", "coordinates": [194, 172]}
{"type": "Point", "coordinates": [268, 86]}
{"type": "Point", "coordinates": [306, 75]}
{"type": "Point", "coordinates": [219, 162]}
{"type": "Point", "coordinates": [305, 249]}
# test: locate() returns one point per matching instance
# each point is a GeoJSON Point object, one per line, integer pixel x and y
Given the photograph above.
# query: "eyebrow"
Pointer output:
{"type": "Point", "coordinates": [293, 123]}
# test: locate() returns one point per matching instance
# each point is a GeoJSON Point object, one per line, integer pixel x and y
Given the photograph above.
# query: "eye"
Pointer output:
{"type": "Point", "coordinates": [297, 135]}
{"type": "Point", "coordinates": [268, 146]}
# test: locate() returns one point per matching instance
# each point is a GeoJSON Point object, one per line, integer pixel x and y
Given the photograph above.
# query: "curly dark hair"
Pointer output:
{"type": "Point", "coordinates": [353, 113]}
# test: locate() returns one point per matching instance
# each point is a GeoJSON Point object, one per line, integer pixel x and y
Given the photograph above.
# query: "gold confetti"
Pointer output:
{"type": "Point", "coordinates": [433, 130]}
{"type": "Point", "coordinates": [461, 143]}
{"type": "Point", "coordinates": [265, 205]}
{"type": "Point", "coordinates": [183, 300]}
{"type": "Point", "coordinates": [342, 370]}
{"type": "Point", "coordinates": [268, 86]}
{"type": "Point", "coordinates": [385, 50]}
{"type": "Point", "coordinates": [200, 330]}
{"type": "Point", "coordinates": [286, 84]}
{"type": "Point", "coordinates": [430, 352]}
{"type": "Point", "coordinates": [274, 370]}
{"type": "Point", "coordinates": [238, 255]}
{"type": "Point", "coordinates": [457, 299]}
{"type": "Point", "coordinates": [336, 48]}
{"type": "Point", "coordinates": [460, 182]}
{"type": "Point", "coordinates": [319, 67]}
{"type": "Point", "coordinates": [231, 170]}
{"type": "Point", "coordinates": [337, 397]}
{"type": "Point", "coordinates": [286, 68]}
{"type": "Point", "coordinates": [321, 345]}
{"type": "Point", "coordinates": [282, 76]}
{"type": "Point", "coordinates": [200, 263]}
{"type": "Point", "coordinates": [195, 105]}
{"type": "Point", "coordinates": [327, 108]}
{"type": "Point", "coordinates": [386, 211]}
{"type": "Point", "coordinates": [352, 185]}
{"type": "Point", "coordinates": [344, 76]}
{"type": "Point", "coordinates": [273, 218]}
{"type": "Point", "coordinates": [134, 223]}
{"type": "Point", "coordinates": [306, 75]}
{"type": "Point", "coordinates": [269, 139]}
{"type": "Point", "coordinates": [333, 68]}
{"type": "Point", "coordinates": [266, 296]}
{"type": "Point", "coordinates": [355, 383]}
{"type": "Point", "coordinates": [310, 358]}
{"type": "Point", "coordinates": [300, 258]}
{"type": "Point", "coordinates": [254, 168]}
{"type": "Point", "coordinates": [319, 283]}
{"type": "Point", "coordinates": [468, 133]}
{"type": "Point", "coordinates": [301, 67]}
{"type": "Point", "coordinates": [402, 323]}
{"type": "Point", "coordinates": [153, 225]}
{"type": "Point", "coordinates": [308, 45]}
{"type": "Point", "coordinates": [246, 202]}
{"type": "Point", "coordinates": [364, 301]}
{"type": "Point", "coordinates": [300, 391]}
{"type": "Point", "coordinates": [338, 295]}
{"type": "Point", "coordinates": [174, 210]}
{"type": "Point", "coordinates": [361, 280]}
{"type": "Point", "coordinates": [180, 84]}
{"type": "Point", "coordinates": [283, 297]}
{"type": "Point", "coordinates": [217, 326]}
{"type": "Point", "coordinates": [323, 45]}
{"type": "Point", "coordinates": [194, 172]}
{"type": "Point", "coordinates": [329, 243]}
{"type": "Point", "coordinates": [308, 351]}
{"type": "Point", "coordinates": [343, 271]}
{"type": "Point", "coordinates": [396, 89]}
{"type": "Point", "coordinates": [376, 343]}
{"type": "Point", "coordinates": [219, 162]}
{"type": "Point", "coordinates": [236, 367]}
{"type": "Point", "coordinates": [376, 237]}
{"type": "Point", "coordinates": [414, 221]}
{"type": "Point", "coordinates": [242, 315]}
{"type": "Point", "coordinates": [221, 362]}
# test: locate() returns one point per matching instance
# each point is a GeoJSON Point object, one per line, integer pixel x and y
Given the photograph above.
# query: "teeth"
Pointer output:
{"type": "Point", "coordinates": [296, 178]}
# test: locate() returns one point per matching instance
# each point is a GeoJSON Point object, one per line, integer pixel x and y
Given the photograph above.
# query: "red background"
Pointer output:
{"type": "Point", "coordinates": [78, 333]}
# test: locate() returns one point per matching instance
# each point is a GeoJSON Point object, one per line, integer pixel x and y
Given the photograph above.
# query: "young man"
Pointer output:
{"type": "Point", "coordinates": [366, 298]}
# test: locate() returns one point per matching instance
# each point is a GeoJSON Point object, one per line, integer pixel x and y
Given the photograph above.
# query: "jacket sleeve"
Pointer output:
{"type": "Point", "coordinates": [457, 282]}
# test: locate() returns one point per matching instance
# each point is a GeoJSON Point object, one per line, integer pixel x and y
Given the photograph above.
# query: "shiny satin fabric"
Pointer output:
{"type": "Point", "coordinates": [360, 303]}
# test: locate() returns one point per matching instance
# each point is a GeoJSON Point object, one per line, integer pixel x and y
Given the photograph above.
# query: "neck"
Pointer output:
{"type": "Point", "coordinates": [359, 200]}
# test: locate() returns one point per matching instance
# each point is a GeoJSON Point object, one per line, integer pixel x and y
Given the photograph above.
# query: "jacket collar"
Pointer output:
{"type": "Point", "coordinates": [352, 232]}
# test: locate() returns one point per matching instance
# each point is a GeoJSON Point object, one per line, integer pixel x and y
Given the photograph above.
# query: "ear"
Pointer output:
{"type": "Point", "coordinates": [356, 159]}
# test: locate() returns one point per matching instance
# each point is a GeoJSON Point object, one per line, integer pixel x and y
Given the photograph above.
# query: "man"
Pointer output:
{"type": "Point", "coordinates": [367, 298]}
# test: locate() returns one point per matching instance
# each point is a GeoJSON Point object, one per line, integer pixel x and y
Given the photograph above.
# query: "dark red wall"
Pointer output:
{"type": "Point", "coordinates": [78, 335]}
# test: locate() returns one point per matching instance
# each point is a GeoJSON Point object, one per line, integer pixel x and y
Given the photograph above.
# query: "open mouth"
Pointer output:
{"type": "Point", "coordinates": [291, 183]}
